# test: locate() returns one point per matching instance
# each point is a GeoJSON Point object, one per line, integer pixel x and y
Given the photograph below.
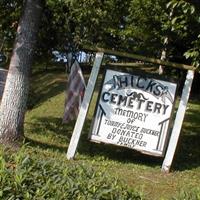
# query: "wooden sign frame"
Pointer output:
{"type": "Point", "coordinates": [90, 89]}
{"type": "Point", "coordinates": [134, 110]}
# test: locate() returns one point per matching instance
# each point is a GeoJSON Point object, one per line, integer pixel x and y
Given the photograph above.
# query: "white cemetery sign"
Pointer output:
{"type": "Point", "coordinates": [134, 111]}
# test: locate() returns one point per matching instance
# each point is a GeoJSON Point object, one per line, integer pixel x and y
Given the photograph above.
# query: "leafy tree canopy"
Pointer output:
{"type": "Point", "coordinates": [186, 24]}
{"type": "Point", "coordinates": [10, 11]}
{"type": "Point", "coordinates": [134, 25]}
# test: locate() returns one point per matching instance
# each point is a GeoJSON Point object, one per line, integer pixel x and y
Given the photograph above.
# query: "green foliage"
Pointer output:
{"type": "Point", "coordinates": [10, 11]}
{"type": "Point", "coordinates": [145, 26]}
{"type": "Point", "coordinates": [48, 140]}
{"type": "Point", "coordinates": [193, 194]}
{"type": "Point", "coordinates": [186, 24]}
{"type": "Point", "coordinates": [82, 22]}
{"type": "Point", "coordinates": [182, 11]}
{"type": "Point", "coordinates": [25, 177]}
{"type": "Point", "coordinates": [122, 25]}
{"type": "Point", "coordinates": [133, 25]}
{"type": "Point", "coordinates": [194, 53]}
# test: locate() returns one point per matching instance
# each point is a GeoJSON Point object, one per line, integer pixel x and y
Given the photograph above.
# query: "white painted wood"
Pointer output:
{"type": "Point", "coordinates": [84, 106]}
{"type": "Point", "coordinates": [115, 117]}
{"type": "Point", "coordinates": [178, 122]}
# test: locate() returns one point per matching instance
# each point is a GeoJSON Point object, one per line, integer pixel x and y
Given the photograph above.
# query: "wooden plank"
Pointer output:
{"type": "Point", "coordinates": [129, 64]}
{"type": "Point", "coordinates": [178, 122]}
{"type": "Point", "coordinates": [138, 57]}
{"type": "Point", "coordinates": [84, 106]}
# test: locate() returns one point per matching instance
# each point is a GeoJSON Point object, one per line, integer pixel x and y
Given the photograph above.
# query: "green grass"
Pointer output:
{"type": "Point", "coordinates": [48, 139]}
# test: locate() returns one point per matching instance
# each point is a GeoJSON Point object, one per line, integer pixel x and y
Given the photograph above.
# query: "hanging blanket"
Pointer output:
{"type": "Point", "coordinates": [74, 95]}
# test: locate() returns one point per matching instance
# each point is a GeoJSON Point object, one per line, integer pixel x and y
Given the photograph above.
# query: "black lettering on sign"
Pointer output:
{"type": "Point", "coordinates": [149, 106]}
{"type": "Point", "coordinates": [111, 136]}
{"type": "Point", "coordinates": [113, 98]}
{"type": "Point", "coordinates": [122, 100]}
{"type": "Point", "coordinates": [149, 132]}
{"type": "Point", "coordinates": [131, 102]}
{"type": "Point", "coordinates": [150, 86]}
{"type": "Point", "coordinates": [130, 142]}
{"type": "Point", "coordinates": [105, 96]}
{"type": "Point", "coordinates": [140, 82]}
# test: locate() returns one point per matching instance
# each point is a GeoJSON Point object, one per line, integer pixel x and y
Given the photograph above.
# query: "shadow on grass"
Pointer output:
{"type": "Point", "coordinates": [187, 155]}
{"type": "Point", "coordinates": [188, 149]}
{"type": "Point", "coordinates": [49, 127]}
{"type": "Point", "coordinates": [45, 146]}
{"type": "Point", "coordinates": [48, 133]}
{"type": "Point", "coordinates": [43, 131]}
{"type": "Point", "coordinates": [46, 86]}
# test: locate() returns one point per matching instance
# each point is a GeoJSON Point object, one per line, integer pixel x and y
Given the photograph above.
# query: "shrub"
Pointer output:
{"type": "Point", "coordinates": [23, 177]}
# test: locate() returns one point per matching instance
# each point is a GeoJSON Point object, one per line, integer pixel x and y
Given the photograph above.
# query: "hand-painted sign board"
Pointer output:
{"type": "Point", "coordinates": [134, 111]}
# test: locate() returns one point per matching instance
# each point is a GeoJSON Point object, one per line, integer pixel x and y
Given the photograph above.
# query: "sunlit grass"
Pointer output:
{"type": "Point", "coordinates": [47, 137]}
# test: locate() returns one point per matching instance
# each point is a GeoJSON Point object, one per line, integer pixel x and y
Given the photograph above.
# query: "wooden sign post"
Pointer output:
{"type": "Point", "coordinates": [178, 122]}
{"type": "Point", "coordinates": [165, 91]}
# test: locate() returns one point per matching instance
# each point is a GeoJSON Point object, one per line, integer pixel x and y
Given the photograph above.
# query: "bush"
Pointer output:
{"type": "Point", "coordinates": [22, 177]}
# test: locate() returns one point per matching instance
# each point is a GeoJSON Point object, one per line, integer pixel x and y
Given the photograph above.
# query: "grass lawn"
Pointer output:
{"type": "Point", "coordinates": [48, 138]}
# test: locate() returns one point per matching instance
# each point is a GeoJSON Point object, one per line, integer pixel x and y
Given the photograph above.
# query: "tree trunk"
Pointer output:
{"type": "Point", "coordinates": [13, 104]}
{"type": "Point", "coordinates": [164, 51]}
{"type": "Point", "coordinates": [163, 56]}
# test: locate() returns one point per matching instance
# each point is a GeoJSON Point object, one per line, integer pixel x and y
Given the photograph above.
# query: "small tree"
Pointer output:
{"type": "Point", "coordinates": [13, 104]}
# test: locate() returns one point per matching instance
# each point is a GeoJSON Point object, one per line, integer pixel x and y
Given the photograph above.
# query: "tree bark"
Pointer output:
{"type": "Point", "coordinates": [163, 56]}
{"type": "Point", "coordinates": [13, 104]}
{"type": "Point", "coordinates": [164, 51]}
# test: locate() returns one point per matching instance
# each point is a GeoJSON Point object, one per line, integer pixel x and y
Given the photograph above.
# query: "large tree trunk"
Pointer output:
{"type": "Point", "coordinates": [13, 104]}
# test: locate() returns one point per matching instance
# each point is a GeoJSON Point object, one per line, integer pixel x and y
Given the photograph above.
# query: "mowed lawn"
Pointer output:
{"type": "Point", "coordinates": [48, 138]}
